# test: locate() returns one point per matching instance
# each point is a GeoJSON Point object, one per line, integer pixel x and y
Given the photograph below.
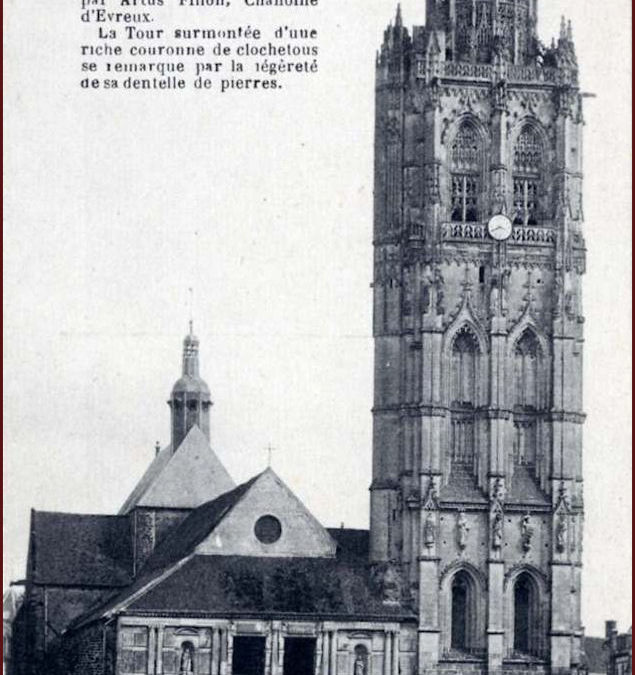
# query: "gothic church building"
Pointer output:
{"type": "Point", "coordinates": [473, 559]}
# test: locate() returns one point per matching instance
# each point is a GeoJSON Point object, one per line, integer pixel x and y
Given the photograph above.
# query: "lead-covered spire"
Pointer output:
{"type": "Point", "coordinates": [190, 353]}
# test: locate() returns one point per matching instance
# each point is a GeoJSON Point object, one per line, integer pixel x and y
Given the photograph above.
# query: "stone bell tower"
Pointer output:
{"type": "Point", "coordinates": [478, 257]}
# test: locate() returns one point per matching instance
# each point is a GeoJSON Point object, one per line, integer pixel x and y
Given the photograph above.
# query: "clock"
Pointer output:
{"type": "Point", "coordinates": [499, 227]}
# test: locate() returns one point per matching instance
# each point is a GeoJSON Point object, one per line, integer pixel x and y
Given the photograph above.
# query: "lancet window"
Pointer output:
{"type": "Point", "coordinates": [464, 396]}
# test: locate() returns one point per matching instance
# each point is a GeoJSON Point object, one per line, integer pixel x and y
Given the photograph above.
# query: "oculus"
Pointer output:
{"type": "Point", "coordinates": [268, 529]}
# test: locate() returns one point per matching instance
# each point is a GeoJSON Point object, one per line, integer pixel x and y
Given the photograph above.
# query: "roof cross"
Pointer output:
{"type": "Point", "coordinates": [270, 450]}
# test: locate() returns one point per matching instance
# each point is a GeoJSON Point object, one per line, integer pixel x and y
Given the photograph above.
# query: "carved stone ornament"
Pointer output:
{"type": "Point", "coordinates": [387, 582]}
{"type": "Point", "coordinates": [430, 502]}
{"type": "Point", "coordinates": [561, 532]}
{"type": "Point", "coordinates": [497, 530]}
{"type": "Point", "coordinates": [500, 95]}
{"type": "Point", "coordinates": [391, 586]}
{"type": "Point", "coordinates": [429, 531]}
{"type": "Point", "coordinates": [462, 531]}
{"type": "Point", "coordinates": [359, 667]}
{"type": "Point", "coordinates": [186, 666]}
{"type": "Point", "coordinates": [498, 490]}
{"type": "Point", "coordinates": [526, 533]}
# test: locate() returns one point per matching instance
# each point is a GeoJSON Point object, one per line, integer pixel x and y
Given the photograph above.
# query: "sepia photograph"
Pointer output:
{"type": "Point", "coordinates": [317, 337]}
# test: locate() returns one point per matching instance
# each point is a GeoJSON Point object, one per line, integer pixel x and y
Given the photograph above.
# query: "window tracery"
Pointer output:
{"type": "Point", "coordinates": [466, 162]}
{"type": "Point", "coordinates": [528, 165]}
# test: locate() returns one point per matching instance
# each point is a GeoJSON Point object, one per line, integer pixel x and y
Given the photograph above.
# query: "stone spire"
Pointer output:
{"type": "Point", "coordinates": [190, 400]}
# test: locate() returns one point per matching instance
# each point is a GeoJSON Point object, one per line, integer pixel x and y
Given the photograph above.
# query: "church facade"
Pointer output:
{"type": "Point", "coordinates": [473, 559]}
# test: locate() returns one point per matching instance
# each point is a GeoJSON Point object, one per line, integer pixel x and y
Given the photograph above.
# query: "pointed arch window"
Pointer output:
{"type": "Point", "coordinates": [463, 613]}
{"type": "Point", "coordinates": [527, 398]}
{"type": "Point", "coordinates": [464, 396]}
{"type": "Point", "coordinates": [528, 163]}
{"type": "Point", "coordinates": [466, 165]}
{"type": "Point", "coordinates": [465, 357]}
{"type": "Point", "coordinates": [527, 359]}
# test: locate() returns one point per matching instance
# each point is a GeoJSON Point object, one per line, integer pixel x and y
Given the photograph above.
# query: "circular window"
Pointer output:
{"type": "Point", "coordinates": [268, 529]}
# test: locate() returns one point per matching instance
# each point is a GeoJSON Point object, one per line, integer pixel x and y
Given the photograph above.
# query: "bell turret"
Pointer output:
{"type": "Point", "coordinates": [190, 400]}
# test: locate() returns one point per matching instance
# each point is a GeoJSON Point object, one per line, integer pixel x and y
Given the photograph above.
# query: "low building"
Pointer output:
{"type": "Point", "coordinates": [619, 647]}
{"type": "Point", "coordinates": [595, 657]}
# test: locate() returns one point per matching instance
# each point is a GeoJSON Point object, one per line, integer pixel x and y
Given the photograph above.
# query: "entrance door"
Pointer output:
{"type": "Point", "coordinates": [249, 655]}
{"type": "Point", "coordinates": [299, 656]}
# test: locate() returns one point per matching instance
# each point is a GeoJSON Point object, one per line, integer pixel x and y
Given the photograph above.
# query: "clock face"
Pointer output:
{"type": "Point", "coordinates": [499, 227]}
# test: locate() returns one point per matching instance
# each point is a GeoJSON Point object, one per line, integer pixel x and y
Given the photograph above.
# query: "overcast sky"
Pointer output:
{"type": "Point", "coordinates": [115, 204]}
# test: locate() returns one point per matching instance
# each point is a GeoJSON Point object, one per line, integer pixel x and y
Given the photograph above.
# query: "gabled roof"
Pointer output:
{"type": "Point", "coordinates": [184, 479]}
{"type": "Point", "coordinates": [268, 497]}
{"type": "Point", "coordinates": [184, 543]}
{"type": "Point", "coordinates": [80, 550]}
{"type": "Point", "coordinates": [196, 526]}
{"type": "Point", "coordinates": [156, 466]}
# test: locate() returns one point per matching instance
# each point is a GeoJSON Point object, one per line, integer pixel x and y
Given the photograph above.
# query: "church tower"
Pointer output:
{"type": "Point", "coordinates": [190, 401]}
{"type": "Point", "coordinates": [478, 326]}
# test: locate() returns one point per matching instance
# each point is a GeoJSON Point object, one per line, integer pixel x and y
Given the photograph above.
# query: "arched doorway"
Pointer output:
{"type": "Point", "coordinates": [526, 615]}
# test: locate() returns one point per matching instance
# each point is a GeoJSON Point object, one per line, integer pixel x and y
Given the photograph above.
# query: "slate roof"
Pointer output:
{"type": "Point", "coordinates": [152, 472]}
{"type": "Point", "coordinates": [462, 487]}
{"type": "Point", "coordinates": [227, 585]}
{"type": "Point", "coordinates": [176, 580]}
{"type": "Point", "coordinates": [80, 550]}
{"type": "Point", "coordinates": [186, 478]}
{"type": "Point", "coordinates": [523, 488]}
{"type": "Point", "coordinates": [595, 655]}
{"type": "Point", "coordinates": [353, 546]}
{"type": "Point", "coordinates": [196, 526]}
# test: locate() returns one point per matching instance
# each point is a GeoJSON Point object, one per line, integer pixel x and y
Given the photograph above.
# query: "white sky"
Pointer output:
{"type": "Point", "coordinates": [116, 203]}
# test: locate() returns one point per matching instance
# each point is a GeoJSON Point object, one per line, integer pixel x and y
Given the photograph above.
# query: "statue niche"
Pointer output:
{"type": "Point", "coordinates": [360, 664]}
{"type": "Point", "coordinates": [186, 665]}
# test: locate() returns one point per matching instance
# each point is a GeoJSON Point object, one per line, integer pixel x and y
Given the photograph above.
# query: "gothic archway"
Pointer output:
{"type": "Point", "coordinates": [526, 624]}
{"type": "Point", "coordinates": [462, 610]}
{"type": "Point", "coordinates": [527, 609]}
